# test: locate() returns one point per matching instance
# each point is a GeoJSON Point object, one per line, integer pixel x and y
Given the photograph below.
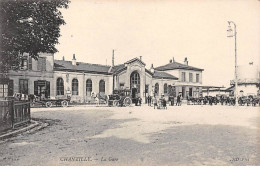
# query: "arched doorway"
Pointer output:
{"type": "Point", "coordinates": [135, 84]}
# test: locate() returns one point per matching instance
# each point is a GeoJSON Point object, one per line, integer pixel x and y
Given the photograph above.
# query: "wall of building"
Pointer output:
{"type": "Point", "coordinates": [249, 89]}
{"type": "Point", "coordinates": [140, 68]}
{"type": "Point", "coordinates": [148, 81]}
{"type": "Point", "coordinates": [34, 74]}
{"type": "Point", "coordinates": [161, 83]}
{"type": "Point", "coordinates": [16, 78]}
{"type": "Point", "coordinates": [121, 78]}
{"type": "Point", "coordinates": [82, 78]}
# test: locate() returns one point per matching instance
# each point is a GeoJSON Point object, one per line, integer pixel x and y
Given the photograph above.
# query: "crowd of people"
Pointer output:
{"type": "Point", "coordinates": [162, 103]}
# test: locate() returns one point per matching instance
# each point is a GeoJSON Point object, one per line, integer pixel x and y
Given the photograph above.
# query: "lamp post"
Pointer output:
{"type": "Point", "coordinates": [230, 33]}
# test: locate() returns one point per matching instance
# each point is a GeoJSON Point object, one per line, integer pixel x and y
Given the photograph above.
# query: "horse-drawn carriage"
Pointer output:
{"type": "Point", "coordinates": [194, 100]}
{"type": "Point", "coordinates": [120, 98]}
{"type": "Point", "coordinates": [249, 100]}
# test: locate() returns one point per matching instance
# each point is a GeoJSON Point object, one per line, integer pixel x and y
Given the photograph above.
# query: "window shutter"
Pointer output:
{"type": "Point", "coordinates": [47, 89]}
{"type": "Point", "coordinates": [36, 88]}
{"type": "Point", "coordinates": [11, 88]}
{"type": "Point", "coordinates": [30, 63]}
{"type": "Point", "coordinates": [43, 64]}
{"type": "Point", "coordinates": [39, 63]}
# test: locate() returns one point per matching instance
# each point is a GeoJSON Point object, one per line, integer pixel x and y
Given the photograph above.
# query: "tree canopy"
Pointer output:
{"type": "Point", "coordinates": [28, 26]}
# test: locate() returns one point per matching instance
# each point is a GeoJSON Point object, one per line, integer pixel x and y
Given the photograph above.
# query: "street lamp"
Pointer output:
{"type": "Point", "coordinates": [231, 33]}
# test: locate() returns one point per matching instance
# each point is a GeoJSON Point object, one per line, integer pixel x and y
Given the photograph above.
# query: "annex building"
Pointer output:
{"type": "Point", "coordinates": [49, 78]}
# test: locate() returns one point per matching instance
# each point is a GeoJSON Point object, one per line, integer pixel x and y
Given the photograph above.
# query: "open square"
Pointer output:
{"type": "Point", "coordinates": [184, 135]}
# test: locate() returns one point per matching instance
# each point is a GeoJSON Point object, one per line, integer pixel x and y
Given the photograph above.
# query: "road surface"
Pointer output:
{"type": "Point", "coordinates": [186, 135]}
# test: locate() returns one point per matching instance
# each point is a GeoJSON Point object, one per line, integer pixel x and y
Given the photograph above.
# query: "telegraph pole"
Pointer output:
{"type": "Point", "coordinates": [230, 34]}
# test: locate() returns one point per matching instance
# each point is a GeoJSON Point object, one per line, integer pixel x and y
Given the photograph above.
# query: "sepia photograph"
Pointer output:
{"type": "Point", "coordinates": [129, 83]}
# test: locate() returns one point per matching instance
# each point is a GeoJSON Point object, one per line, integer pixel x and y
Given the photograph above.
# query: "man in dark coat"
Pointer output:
{"type": "Point", "coordinates": [178, 100]}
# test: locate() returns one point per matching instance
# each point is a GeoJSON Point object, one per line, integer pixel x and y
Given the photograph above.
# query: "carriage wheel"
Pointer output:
{"type": "Point", "coordinates": [48, 104]}
{"type": "Point", "coordinates": [64, 103]}
{"type": "Point", "coordinates": [32, 104]}
{"type": "Point", "coordinates": [115, 103]}
{"type": "Point", "coordinates": [127, 101]}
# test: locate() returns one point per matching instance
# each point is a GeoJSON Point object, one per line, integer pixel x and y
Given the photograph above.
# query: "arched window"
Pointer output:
{"type": "Point", "coordinates": [135, 81]}
{"type": "Point", "coordinates": [60, 86]}
{"type": "Point", "coordinates": [88, 87]}
{"type": "Point", "coordinates": [75, 87]}
{"type": "Point", "coordinates": [156, 89]}
{"type": "Point", "coordinates": [165, 90]}
{"type": "Point", "coordinates": [102, 87]}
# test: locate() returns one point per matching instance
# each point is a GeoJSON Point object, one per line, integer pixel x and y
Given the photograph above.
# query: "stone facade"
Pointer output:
{"type": "Point", "coordinates": [51, 78]}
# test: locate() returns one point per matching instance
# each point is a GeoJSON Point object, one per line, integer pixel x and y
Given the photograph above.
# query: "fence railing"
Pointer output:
{"type": "Point", "coordinates": [13, 113]}
{"type": "Point", "coordinates": [21, 113]}
{"type": "Point", "coordinates": [5, 115]}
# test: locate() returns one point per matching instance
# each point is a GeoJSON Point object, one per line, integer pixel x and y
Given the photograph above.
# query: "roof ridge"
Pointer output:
{"type": "Point", "coordinates": [178, 66]}
{"type": "Point", "coordinates": [94, 64]}
{"type": "Point", "coordinates": [83, 63]}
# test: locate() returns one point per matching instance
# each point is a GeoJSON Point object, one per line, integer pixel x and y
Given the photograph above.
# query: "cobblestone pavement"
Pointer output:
{"type": "Point", "coordinates": [186, 135]}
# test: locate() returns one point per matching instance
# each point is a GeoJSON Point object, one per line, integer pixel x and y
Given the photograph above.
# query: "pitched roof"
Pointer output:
{"type": "Point", "coordinates": [80, 66]}
{"type": "Point", "coordinates": [176, 65]}
{"type": "Point", "coordinates": [135, 59]}
{"type": "Point", "coordinates": [163, 75]}
{"type": "Point", "coordinates": [118, 68]}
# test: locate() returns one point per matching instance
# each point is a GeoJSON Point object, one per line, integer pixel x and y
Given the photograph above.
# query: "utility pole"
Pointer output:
{"type": "Point", "coordinates": [231, 34]}
{"type": "Point", "coordinates": [113, 58]}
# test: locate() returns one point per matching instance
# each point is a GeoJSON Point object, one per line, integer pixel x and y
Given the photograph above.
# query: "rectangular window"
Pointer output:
{"type": "Point", "coordinates": [23, 86]}
{"type": "Point", "coordinates": [190, 77]}
{"type": "Point", "coordinates": [24, 63]}
{"type": "Point", "coordinates": [183, 76]}
{"type": "Point", "coordinates": [197, 78]}
{"type": "Point", "coordinates": [3, 90]}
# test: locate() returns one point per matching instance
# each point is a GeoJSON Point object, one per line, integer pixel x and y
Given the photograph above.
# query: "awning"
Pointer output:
{"type": "Point", "coordinates": [195, 85]}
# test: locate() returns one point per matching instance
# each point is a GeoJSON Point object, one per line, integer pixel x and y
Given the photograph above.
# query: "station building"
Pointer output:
{"type": "Point", "coordinates": [50, 78]}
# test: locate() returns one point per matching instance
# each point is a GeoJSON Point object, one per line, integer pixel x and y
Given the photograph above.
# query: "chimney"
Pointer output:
{"type": "Point", "coordinates": [63, 58]}
{"type": "Point", "coordinates": [152, 69]}
{"type": "Point", "coordinates": [113, 59]}
{"type": "Point", "coordinates": [186, 61]}
{"type": "Point", "coordinates": [173, 60]}
{"type": "Point", "coordinates": [74, 61]}
{"type": "Point", "coordinates": [170, 61]}
{"type": "Point", "coordinates": [141, 58]}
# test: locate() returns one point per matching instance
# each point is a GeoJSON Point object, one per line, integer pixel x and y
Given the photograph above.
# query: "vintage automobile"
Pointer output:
{"type": "Point", "coordinates": [49, 102]}
{"type": "Point", "coordinates": [120, 98]}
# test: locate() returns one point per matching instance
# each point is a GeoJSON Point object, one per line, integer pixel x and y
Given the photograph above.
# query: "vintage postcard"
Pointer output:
{"type": "Point", "coordinates": [129, 83]}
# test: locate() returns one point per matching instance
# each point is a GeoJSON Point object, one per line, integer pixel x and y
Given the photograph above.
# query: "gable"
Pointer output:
{"type": "Point", "coordinates": [135, 60]}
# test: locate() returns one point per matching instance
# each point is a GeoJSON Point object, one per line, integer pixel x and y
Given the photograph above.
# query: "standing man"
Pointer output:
{"type": "Point", "coordinates": [149, 100]}
{"type": "Point", "coordinates": [178, 100]}
{"type": "Point", "coordinates": [171, 99]}
{"type": "Point", "coordinates": [154, 102]}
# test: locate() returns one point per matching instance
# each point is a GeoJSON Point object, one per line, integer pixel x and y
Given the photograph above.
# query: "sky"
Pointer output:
{"type": "Point", "coordinates": [160, 30]}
